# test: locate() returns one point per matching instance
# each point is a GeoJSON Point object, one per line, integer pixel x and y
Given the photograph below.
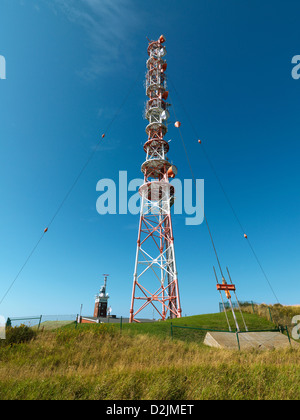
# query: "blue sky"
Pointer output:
{"type": "Point", "coordinates": [70, 64]}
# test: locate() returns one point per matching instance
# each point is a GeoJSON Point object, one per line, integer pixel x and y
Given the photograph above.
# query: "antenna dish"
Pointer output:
{"type": "Point", "coordinates": [164, 115]}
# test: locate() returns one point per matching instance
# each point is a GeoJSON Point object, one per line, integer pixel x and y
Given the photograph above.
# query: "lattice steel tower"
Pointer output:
{"type": "Point", "coordinates": [155, 279]}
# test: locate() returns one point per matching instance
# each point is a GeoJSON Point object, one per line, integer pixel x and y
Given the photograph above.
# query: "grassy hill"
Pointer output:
{"type": "Point", "coordinates": [142, 362]}
{"type": "Point", "coordinates": [52, 325]}
{"type": "Point", "coordinates": [279, 314]}
{"type": "Point", "coordinates": [215, 321]}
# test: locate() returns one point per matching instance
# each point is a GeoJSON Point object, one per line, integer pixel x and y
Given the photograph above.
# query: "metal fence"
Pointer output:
{"type": "Point", "coordinates": [180, 332]}
{"type": "Point", "coordinates": [38, 320]}
{"type": "Point", "coordinates": [201, 332]}
{"type": "Point", "coordinates": [243, 304]}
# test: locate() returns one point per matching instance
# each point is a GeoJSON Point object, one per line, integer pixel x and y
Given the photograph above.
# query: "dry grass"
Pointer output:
{"type": "Point", "coordinates": [101, 363]}
{"type": "Point", "coordinates": [279, 314]}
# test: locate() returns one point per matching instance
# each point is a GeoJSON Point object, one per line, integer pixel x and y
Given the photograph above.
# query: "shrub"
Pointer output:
{"type": "Point", "coordinates": [21, 334]}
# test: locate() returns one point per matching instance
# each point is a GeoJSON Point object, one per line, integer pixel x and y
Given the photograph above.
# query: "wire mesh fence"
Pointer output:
{"type": "Point", "coordinates": [199, 335]}
{"type": "Point", "coordinates": [190, 334]}
{"type": "Point", "coordinates": [277, 318]}
{"type": "Point", "coordinates": [242, 304]}
{"type": "Point", "coordinates": [41, 321]}
{"type": "Point", "coordinates": [279, 315]}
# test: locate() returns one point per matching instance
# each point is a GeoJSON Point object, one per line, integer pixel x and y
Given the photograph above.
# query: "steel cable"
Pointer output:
{"type": "Point", "coordinates": [225, 194]}
{"type": "Point", "coordinates": [72, 187]}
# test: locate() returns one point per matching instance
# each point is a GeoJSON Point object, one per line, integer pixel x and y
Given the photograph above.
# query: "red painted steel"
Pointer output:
{"type": "Point", "coordinates": [155, 245]}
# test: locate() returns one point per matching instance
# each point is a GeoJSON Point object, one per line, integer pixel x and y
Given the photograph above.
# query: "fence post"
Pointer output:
{"type": "Point", "coordinates": [40, 322]}
{"type": "Point", "coordinates": [270, 314]}
{"type": "Point", "coordinates": [121, 324]}
{"type": "Point", "coordinates": [253, 307]}
{"type": "Point", "coordinates": [288, 334]}
{"type": "Point", "coordinates": [238, 340]}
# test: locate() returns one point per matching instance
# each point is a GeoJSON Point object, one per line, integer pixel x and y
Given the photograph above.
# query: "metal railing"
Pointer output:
{"type": "Point", "coordinates": [37, 320]}
{"type": "Point", "coordinates": [281, 329]}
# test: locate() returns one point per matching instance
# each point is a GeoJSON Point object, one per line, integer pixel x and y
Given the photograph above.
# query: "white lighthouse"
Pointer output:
{"type": "Point", "coordinates": [101, 301]}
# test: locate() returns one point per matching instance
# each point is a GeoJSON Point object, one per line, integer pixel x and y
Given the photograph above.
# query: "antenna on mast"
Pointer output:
{"type": "Point", "coordinates": [155, 242]}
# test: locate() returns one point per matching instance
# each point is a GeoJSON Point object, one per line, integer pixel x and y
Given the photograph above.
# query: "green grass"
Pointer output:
{"type": "Point", "coordinates": [98, 362]}
{"type": "Point", "coordinates": [141, 362]}
{"type": "Point", "coordinates": [52, 325]}
{"type": "Point", "coordinates": [281, 315]}
{"type": "Point", "coordinates": [215, 321]}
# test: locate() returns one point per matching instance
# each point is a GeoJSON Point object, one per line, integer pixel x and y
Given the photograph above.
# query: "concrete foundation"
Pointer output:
{"type": "Point", "coordinates": [250, 340]}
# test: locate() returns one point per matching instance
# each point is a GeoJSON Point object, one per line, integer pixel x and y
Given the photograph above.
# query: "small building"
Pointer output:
{"type": "Point", "coordinates": [101, 309]}
{"type": "Point", "coordinates": [101, 301]}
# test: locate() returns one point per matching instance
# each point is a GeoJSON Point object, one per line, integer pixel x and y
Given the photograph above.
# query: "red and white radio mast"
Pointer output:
{"type": "Point", "coordinates": [155, 282]}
